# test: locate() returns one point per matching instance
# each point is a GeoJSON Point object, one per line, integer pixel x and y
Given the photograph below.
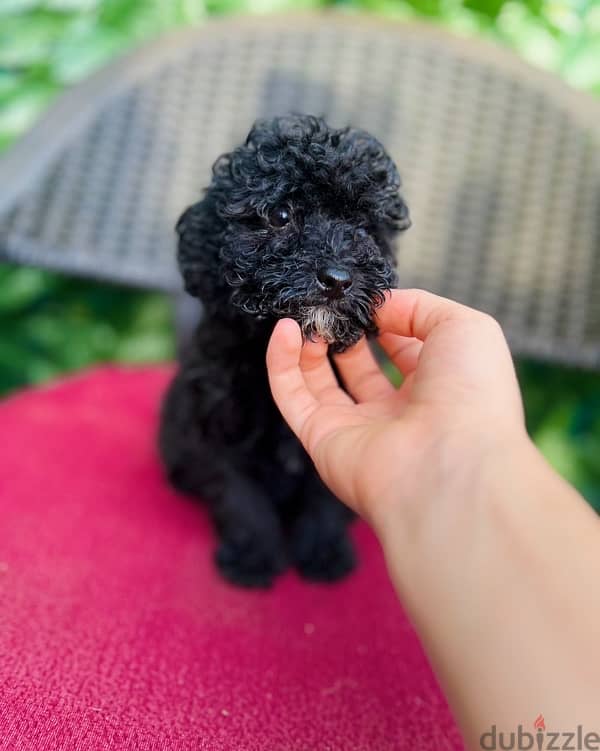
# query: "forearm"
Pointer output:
{"type": "Point", "coordinates": [501, 581]}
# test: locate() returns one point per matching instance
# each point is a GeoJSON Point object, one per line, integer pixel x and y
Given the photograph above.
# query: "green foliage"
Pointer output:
{"type": "Point", "coordinates": [50, 324]}
{"type": "Point", "coordinates": [563, 417]}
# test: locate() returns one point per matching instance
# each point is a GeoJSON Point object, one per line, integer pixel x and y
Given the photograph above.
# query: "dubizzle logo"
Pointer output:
{"type": "Point", "coordinates": [539, 723]}
{"type": "Point", "coordinates": [540, 740]}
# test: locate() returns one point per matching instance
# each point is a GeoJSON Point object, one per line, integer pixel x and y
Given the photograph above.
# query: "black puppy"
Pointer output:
{"type": "Point", "coordinates": [297, 222]}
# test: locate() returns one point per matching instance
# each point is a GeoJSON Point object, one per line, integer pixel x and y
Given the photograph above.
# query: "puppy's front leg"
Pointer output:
{"type": "Point", "coordinates": [320, 546]}
{"type": "Point", "coordinates": [251, 549]}
{"type": "Point", "coordinates": [196, 426]}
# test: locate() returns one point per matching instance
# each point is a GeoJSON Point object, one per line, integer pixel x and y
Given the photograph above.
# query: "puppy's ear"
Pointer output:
{"type": "Point", "coordinates": [376, 176]}
{"type": "Point", "coordinates": [392, 207]}
{"type": "Point", "coordinates": [398, 213]}
{"type": "Point", "coordinates": [394, 218]}
{"type": "Point", "coordinates": [200, 229]}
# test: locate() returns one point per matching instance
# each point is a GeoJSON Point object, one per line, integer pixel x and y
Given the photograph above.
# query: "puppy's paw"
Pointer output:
{"type": "Point", "coordinates": [249, 561]}
{"type": "Point", "coordinates": [321, 555]}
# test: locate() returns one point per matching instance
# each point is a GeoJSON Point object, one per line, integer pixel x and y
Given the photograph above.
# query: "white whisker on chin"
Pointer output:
{"type": "Point", "coordinates": [320, 321]}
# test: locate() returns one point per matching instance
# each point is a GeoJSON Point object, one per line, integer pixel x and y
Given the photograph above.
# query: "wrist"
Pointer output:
{"type": "Point", "coordinates": [504, 504]}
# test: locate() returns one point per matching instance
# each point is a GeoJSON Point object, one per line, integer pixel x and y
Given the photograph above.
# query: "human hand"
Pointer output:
{"type": "Point", "coordinates": [474, 524]}
{"type": "Point", "coordinates": [379, 447]}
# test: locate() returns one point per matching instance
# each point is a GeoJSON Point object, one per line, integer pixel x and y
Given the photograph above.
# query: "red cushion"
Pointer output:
{"type": "Point", "coordinates": [116, 632]}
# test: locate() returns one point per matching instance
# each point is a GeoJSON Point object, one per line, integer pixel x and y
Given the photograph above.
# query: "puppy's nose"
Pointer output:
{"type": "Point", "coordinates": [335, 282]}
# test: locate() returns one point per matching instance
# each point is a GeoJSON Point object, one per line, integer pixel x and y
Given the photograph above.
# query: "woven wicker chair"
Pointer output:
{"type": "Point", "coordinates": [501, 163]}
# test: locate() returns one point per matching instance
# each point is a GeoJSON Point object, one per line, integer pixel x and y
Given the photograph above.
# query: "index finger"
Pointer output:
{"type": "Point", "coordinates": [288, 386]}
{"type": "Point", "coordinates": [415, 313]}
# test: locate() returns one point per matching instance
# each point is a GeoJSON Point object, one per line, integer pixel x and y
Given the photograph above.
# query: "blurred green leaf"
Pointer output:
{"type": "Point", "coordinates": [12, 7]}
{"type": "Point", "coordinates": [191, 11]}
{"type": "Point", "coordinates": [489, 8]}
{"type": "Point", "coordinates": [535, 6]}
{"type": "Point", "coordinates": [428, 7]}
{"type": "Point", "coordinates": [85, 50]}
{"type": "Point", "coordinates": [25, 40]}
{"type": "Point", "coordinates": [20, 110]}
{"type": "Point", "coordinates": [582, 67]}
{"type": "Point", "coordinates": [260, 6]}
{"type": "Point", "coordinates": [21, 288]}
{"type": "Point", "coordinates": [120, 12]}
{"type": "Point", "coordinates": [72, 5]}
{"type": "Point", "coordinates": [553, 441]}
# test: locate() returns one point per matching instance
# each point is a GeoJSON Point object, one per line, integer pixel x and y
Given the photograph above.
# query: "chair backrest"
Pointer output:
{"type": "Point", "coordinates": [500, 162]}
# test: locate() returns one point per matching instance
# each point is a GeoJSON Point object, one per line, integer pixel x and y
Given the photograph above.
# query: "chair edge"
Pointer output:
{"type": "Point", "coordinates": [73, 109]}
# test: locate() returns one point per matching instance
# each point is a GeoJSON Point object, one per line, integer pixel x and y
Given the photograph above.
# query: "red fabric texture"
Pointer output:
{"type": "Point", "coordinates": [116, 632]}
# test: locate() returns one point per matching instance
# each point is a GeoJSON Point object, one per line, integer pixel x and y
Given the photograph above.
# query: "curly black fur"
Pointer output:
{"type": "Point", "coordinates": [298, 221]}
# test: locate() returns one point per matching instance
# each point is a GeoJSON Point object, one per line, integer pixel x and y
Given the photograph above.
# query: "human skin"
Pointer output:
{"type": "Point", "coordinates": [495, 558]}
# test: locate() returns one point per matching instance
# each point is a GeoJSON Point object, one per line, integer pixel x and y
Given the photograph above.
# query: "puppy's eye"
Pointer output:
{"type": "Point", "coordinates": [279, 217]}
{"type": "Point", "coordinates": [362, 233]}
